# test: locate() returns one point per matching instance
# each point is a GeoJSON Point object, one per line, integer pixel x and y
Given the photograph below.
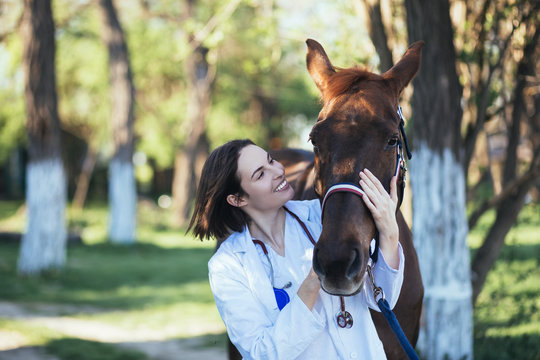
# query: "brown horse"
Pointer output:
{"type": "Point", "coordinates": [357, 128]}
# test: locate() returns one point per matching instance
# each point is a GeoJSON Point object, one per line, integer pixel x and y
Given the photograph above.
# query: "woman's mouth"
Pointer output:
{"type": "Point", "coordinates": [282, 186]}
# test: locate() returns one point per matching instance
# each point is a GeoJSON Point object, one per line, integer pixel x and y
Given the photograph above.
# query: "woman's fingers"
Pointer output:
{"type": "Point", "coordinates": [369, 204]}
{"type": "Point", "coordinates": [373, 187]}
{"type": "Point", "coordinates": [376, 198]}
{"type": "Point", "coordinates": [375, 182]}
{"type": "Point", "coordinates": [393, 190]}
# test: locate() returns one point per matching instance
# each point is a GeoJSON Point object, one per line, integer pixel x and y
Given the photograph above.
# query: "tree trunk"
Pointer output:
{"type": "Point", "coordinates": [377, 33]}
{"type": "Point", "coordinates": [44, 244]}
{"type": "Point", "coordinates": [438, 186]}
{"type": "Point", "coordinates": [509, 208]}
{"type": "Point", "coordinates": [84, 179]}
{"type": "Point", "coordinates": [122, 187]}
{"type": "Point", "coordinates": [186, 172]}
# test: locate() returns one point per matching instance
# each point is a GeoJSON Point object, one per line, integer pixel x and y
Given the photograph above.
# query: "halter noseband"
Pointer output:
{"type": "Point", "coordinates": [357, 190]}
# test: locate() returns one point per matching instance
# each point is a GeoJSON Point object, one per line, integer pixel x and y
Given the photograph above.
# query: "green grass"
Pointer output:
{"type": "Point", "coordinates": [507, 316]}
{"type": "Point", "coordinates": [160, 285]}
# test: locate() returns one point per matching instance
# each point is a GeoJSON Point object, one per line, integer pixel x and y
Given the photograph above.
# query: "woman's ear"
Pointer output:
{"type": "Point", "coordinates": [236, 200]}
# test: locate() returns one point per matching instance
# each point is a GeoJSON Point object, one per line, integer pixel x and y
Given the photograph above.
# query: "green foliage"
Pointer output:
{"type": "Point", "coordinates": [82, 79]}
{"type": "Point", "coordinates": [157, 58]}
{"type": "Point", "coordinates": [258, 86]}
{"type": "Point", "coordinates": [12, 112]}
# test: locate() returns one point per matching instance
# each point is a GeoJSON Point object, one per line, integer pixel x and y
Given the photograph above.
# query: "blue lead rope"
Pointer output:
{"type": "Point", "coordinates": [394, 324]}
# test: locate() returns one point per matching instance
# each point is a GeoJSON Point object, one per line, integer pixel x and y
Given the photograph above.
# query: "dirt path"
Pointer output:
{"type": "Point", "coordinates": [154, 344]}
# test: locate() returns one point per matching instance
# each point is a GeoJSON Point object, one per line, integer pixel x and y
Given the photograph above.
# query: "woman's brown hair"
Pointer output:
{"type": "Point", "coordinates": [213, 215]}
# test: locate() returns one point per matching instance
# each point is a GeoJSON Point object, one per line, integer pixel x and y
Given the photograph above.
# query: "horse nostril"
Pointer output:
{"type": "Point", "coordinates": [354, 267]}
{"type": "Point", "coordinates": [316, 264]}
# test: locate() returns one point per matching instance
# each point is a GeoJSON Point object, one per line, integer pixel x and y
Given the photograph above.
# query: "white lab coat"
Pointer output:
{"type": "Point", "coordinates": [245, 300]}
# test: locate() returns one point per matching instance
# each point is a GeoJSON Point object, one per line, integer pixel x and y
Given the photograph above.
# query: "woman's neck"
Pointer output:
{"type": "Point", "coordinates": [270, 228]}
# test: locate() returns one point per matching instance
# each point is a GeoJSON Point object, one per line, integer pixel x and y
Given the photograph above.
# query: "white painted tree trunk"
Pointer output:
{"type": "Point", "coordinates": [43, 245]}
{"type": "Point", "coordinates": [440, 234]}
{"type": "Point", "coordinates": [122, 202]}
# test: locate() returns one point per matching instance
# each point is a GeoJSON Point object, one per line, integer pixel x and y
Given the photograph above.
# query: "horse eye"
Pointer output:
{"type": "Point", "coordinates": [315, 147]}
{"type": "Point", "coordinates": [393, 141]}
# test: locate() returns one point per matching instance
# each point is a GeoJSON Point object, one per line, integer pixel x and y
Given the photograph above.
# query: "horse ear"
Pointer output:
{"type": "Point", "coordinates": [401, 74]}
{"type": "Point", "coordinates": [318, 64]}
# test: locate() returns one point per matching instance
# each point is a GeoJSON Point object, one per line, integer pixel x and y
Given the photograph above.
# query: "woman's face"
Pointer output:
{"type": "Point", "coordinates": [263, 179]}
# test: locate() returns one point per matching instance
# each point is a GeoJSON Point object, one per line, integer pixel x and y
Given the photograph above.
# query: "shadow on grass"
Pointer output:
{"type": "Point", "coordinates": [109, 275]}
{"type": "Point", "coordinates": [525, 347]}
{"type": "Point", "coordinates": [518, 252]}
{"type": "Point", "coordinates": [210, 346]}
{"type": "Point", "coordinates": [72, 348]}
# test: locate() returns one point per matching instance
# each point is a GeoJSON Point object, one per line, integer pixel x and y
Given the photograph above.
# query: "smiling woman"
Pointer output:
{"type": "Point", "coordinates": [265, 289]}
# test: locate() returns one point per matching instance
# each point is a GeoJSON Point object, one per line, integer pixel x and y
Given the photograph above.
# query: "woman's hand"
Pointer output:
{"type": "Point", "coordinates": [309, 290]}
{"type": "Point", "coordinates": [383, 209]}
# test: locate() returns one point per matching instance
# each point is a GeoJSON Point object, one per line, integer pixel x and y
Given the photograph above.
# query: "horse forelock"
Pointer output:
{"type": "Point", "coordinates": [345, 79]}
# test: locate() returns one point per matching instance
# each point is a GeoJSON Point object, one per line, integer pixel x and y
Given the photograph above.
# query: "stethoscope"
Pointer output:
{"type": "Point", "coordinates": [343, 318]}
{"type": "Point", "coordinates": [282, 297]}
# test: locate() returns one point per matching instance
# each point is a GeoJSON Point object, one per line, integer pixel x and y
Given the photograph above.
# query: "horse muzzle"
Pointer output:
{"type": "Point", "coordinates": [343, 277]}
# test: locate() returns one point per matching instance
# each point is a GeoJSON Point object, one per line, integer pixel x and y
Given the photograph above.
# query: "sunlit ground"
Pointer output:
{"type": "Point", "coordinates": [154, 290]}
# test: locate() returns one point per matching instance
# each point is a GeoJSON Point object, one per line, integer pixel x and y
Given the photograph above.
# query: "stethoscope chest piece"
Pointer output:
{"type": "Point", "coordinates": [344, 319]}
{"type": "Point", "coordinates": [282, 298]}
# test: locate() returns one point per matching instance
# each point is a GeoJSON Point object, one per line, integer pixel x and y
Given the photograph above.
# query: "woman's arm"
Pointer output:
{"type": "Point", "coordinates": [383, 208]}
{"type": "Point", "coordinates": [255, 333]}
{"type": "Point", "coordinates": [309, 290]}
{"type": "Point", "coordinates": [388, 270]}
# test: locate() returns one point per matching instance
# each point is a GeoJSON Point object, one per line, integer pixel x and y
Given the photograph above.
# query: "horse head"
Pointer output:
{"type": "Point", "coordinates": [357, 128]}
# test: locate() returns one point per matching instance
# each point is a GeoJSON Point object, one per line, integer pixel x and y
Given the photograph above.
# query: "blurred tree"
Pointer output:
{"type": "Point", "coordinates": [496, 43]}
{"type": "Point", "coordinates": [377, 31]}
{"type": "Point", "coordinates": [438, 184]}
{"type": "Point", "coordinates": [252, 95]}
{"type": "Point", "coordinates": [82, 84]}
{"type": "Point", "coordinates": [200, 75]}
{"type": "Point", "coordinates": [191, 148]}
{"type": "Point", "coordinates": [122, 190]}
{"type": "Point", "coordinates": [44, 244]}
{"type": "Point", "coordinates": [509, 60]}
{"type": "Point", "coordinates": [261, 87]}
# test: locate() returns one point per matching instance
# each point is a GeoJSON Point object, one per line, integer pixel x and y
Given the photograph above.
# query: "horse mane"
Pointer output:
{"type": "Point", "coordinates": [340, 82]}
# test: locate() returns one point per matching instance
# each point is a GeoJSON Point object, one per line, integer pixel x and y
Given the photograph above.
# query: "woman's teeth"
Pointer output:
{"type": "Point", "coordinates": [281, 186]}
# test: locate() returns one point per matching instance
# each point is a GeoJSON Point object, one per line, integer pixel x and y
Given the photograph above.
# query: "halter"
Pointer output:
{"type": "Point", "coordinates": [357, 190]}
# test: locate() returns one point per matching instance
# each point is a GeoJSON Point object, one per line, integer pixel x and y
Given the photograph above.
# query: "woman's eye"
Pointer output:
{"type": "Point", "coordinates": [260, 175]}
